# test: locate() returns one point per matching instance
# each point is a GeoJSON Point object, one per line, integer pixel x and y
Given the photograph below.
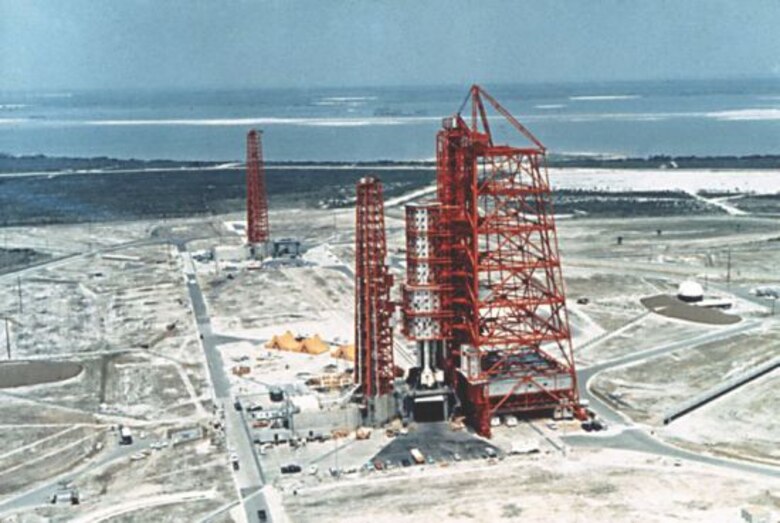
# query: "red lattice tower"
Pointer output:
{"type": "Point", "coordinates": [373, 334]}
{"type": "Point", "coordinates": [510, 349]}
{"type": "Point", "coordinates": [257, 230]}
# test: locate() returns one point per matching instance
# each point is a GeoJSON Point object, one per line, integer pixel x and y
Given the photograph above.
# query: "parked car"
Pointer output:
{"type": "Point", "coordinates": [291, 469]}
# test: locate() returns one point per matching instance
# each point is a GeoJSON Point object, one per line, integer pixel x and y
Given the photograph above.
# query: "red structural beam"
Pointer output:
{"type": "Point", "coordinates": [257, 229]}
{"type": "Point", "coordinates": [374, 368]}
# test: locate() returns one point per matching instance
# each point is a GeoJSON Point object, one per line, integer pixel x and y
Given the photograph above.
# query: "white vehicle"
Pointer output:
{"type": "Point", "coordinates": [158, 445]}
{"type": "Point", "coordinates": [510, 421]}
{"type": "Point", "coordinates": [313, 470]}
{"type": "Point", "coordinates": [125, 436]}
{"type": "Point", "coordinates": [524, 447]}
{"type": "Point", "coordinates": [495, 421]}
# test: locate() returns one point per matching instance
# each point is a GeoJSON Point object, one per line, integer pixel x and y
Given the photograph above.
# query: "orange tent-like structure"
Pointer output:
{"type": "Point", "coordinates": [344, 352]}
{"type": "Point", "coordinates": [289, 342]}
{"type": "Point", "coordinates": [314, 345]}
{"type": "Point", "coordinates": [285, 342]}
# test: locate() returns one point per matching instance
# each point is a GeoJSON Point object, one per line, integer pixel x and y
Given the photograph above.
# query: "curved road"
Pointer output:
{"type": "Point", "coordinates": [631, 436]}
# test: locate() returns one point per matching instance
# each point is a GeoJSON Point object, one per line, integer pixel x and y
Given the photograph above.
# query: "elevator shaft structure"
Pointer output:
{"type": "Point", "coordinates": [374, 366]}
{"type": "Point", "coordinates": [257, 229]}
{"type": "Point", "coordinates": [497, 302]}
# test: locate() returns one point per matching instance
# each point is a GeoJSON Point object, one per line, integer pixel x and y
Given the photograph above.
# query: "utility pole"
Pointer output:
{"type": "Point", "coordinates": [7, 338]}
{"type": "Point", "coordinates": [728, 268]}
{"type": "Point", "coordinates": [19, 288]}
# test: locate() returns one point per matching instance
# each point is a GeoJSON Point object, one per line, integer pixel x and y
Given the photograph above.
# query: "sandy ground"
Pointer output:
{"type": "Point", "coordinates": [584, 486]}
{"type": "Point", "coordinates": [128, 322]}
{"type": "Point", "coordinates": [649, 388]}
{"type": "Point", "coordinates": [742, 425]}
{"type": "Point", "coordinates": [644, 332]}
{"type": "Point", "coordinates": [124, 318]}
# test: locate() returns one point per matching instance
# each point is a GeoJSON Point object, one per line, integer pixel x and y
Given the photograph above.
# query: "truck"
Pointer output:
{"type": "Point", "coordinates": [417, 456]}
{"type": "Point", "coordinates": [125, 435]}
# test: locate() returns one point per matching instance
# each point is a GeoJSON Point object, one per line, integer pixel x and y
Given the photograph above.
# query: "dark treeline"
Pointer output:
{"type": "Point", "coordinates": [42, 163]}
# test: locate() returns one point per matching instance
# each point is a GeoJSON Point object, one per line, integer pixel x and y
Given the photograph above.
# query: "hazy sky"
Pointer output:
{"type": "Point", "coordinates": [73, 44]}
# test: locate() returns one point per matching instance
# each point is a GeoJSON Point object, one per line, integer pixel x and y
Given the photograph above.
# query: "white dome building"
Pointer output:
{"type": "Point", "coordinates": [690, 292]}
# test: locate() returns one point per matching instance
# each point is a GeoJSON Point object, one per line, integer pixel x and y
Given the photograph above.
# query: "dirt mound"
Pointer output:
{"type": "Point", "coordinates": [24, 373]}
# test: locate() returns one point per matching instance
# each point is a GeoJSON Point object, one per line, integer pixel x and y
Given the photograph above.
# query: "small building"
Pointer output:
{"type": "Point", "coordinates": [66, 496]}
{"type": "Point", "coordinates": [690, 292]}
{"type": "Point", "coordinates": [286, 248]}
{"type": "Point", "coordinates": [715, 303]}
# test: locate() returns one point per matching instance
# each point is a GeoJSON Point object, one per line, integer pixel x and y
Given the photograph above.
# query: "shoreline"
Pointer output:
{"type": "Point", "coordinates": [41, 165]}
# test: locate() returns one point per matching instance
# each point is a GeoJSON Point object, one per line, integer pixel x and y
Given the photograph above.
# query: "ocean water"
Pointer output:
{"type": "Point", "coordinates": [701, 118]}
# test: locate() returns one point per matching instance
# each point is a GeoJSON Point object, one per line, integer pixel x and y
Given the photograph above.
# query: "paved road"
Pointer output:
{"type": "Point", "coordinates": [250, 477]}
{"type": "Point", "coordinates": [585, 375]}
{"type": "Point", "coordinates": [632, 437]}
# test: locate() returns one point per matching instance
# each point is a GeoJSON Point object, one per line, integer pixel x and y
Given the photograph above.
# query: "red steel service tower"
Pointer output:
{"type": "Point", "coordinates": [484, 295]}
{"type": "Point", "coordinates": [374, 367]}
{"type": "Point", "coordinates": [257, 230]}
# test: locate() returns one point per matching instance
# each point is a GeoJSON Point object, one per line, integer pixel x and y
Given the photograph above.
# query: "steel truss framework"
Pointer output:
{"type": "Point", "coordinates": [509, 343]}
{"type": "Point", "coordinates": [374, 368]}
{"type": "Point", "coordinates": [257, 229]}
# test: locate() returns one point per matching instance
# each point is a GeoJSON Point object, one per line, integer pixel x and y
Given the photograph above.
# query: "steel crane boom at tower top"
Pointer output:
{"type": "Point", "coordinates": [256, 198]}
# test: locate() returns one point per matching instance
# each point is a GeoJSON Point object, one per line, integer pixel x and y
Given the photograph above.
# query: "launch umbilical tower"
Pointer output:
{"type": "Point", "coordinates": [374, 368]}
